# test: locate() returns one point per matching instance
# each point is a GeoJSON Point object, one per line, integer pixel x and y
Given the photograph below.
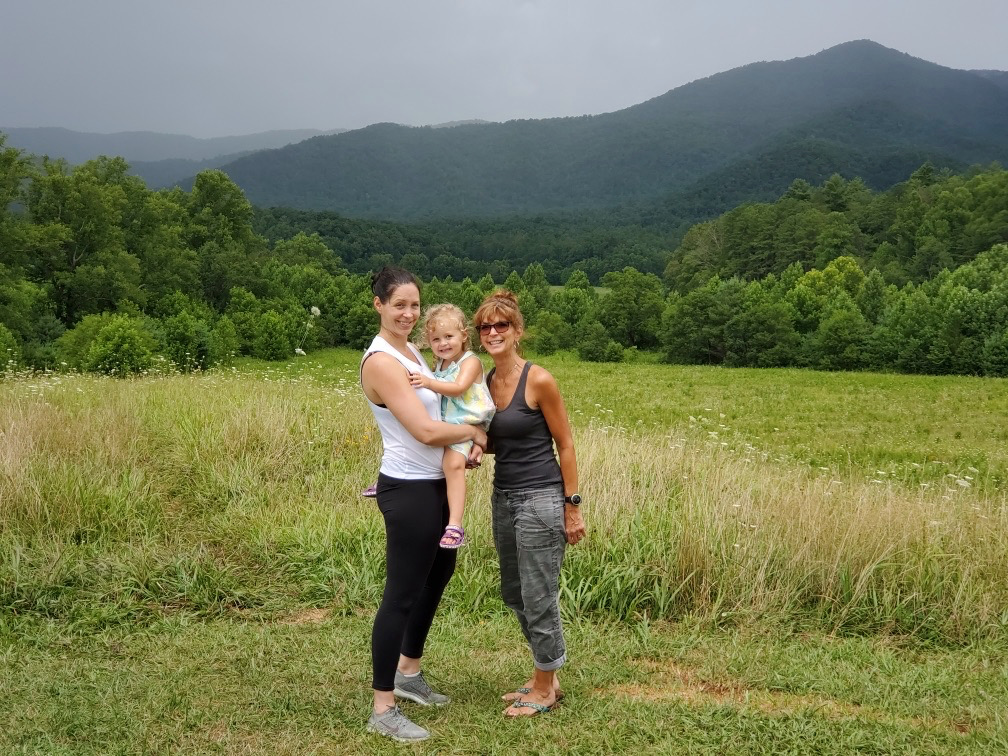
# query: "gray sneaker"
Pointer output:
{"type": "Point", "coordinates": [396, 725]}
{"type": "Point", "coordinates": [416, 689]}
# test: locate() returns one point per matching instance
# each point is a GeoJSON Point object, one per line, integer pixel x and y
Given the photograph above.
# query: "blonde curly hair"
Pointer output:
{"type": "Point", "coordinates": [447, 314]}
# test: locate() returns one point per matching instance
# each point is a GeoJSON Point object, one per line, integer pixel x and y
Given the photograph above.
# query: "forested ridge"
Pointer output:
{"type": "Point", "coordinates": [857, 109]}
{"type": "Point", "coordinates": [141, 147]}
{"type": "Point", "coordinates": [100, 273]}
{"type": "Point", "coordinates": [933, 220]}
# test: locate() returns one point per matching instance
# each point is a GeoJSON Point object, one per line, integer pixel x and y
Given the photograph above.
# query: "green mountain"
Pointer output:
{"type": "Point", "coordinates": [146, 146]}
{"type": "Point", "coordinates": [874, 141]}
{"type": "Point", "coordinates": [855, 109]}
{"type": "Point", "coordinates": [998, 77]}
{"type": "Point", "coordinates": [158, 174]}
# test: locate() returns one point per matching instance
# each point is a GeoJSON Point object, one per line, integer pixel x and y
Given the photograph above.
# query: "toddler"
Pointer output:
{"type": "Point", "coordinates": [458, 377]}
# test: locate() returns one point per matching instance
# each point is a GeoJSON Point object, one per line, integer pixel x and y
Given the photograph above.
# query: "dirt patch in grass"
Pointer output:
{"type": "Point", "coordinates": [307, 617]}
{"type": "Point", "coordinates": [670, 682]}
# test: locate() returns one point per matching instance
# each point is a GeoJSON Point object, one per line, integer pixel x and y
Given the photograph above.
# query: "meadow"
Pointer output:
{"type": "Point", "coordinates": [778, 561]}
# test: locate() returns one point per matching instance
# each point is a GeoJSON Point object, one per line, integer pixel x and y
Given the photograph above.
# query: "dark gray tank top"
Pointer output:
{"type": "Point", "coordinates": [522, 443]}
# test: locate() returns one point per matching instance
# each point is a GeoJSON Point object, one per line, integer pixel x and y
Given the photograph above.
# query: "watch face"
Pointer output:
{"type": "Point", "coordinates": [575, 499]}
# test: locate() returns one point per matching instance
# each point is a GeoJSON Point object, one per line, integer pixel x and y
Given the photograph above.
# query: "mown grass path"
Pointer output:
{"type": "Point", "coordinates": [299, 684]}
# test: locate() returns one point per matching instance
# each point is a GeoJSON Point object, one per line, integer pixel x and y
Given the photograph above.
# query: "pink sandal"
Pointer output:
{"type": "Point", "coordinates": [454, 536]}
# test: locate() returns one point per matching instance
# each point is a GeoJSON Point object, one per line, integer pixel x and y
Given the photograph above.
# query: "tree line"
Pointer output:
{"type": "Point", "coordinates": [99, 273]}
{"type": "Point", "coordinates": [910, 232]}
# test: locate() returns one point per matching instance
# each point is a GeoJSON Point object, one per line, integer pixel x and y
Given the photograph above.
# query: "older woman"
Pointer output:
{"type": "Point", "coordinates": [413, 500]}
{"type": "Point", "coordinates": [536, 505]}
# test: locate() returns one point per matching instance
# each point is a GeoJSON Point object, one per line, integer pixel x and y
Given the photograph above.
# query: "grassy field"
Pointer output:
{"type": "Point", "coordinates": [778, 561]}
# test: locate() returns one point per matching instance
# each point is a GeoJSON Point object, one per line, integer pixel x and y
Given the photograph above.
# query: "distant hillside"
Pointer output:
{"type": "Point", "coordinates": [998, 77]}
{"type": "Point", "coordinates": [158, 174]}
{"type": "Point", "coordinates": [856, 109]}
{"type": "Point", "coordinates": [136, 146]}
{"type": "Point", "coordinates": [451, 124]}
{"type": "Point", "coordinates": [873, 141]}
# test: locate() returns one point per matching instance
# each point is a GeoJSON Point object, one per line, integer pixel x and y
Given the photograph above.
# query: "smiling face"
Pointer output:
{"type": "Point", "coordinates": [402, 310]}
{"type": "Point", "coordinates": [498, 335]}
{"type": "Point", "coordinates": [446, 340]}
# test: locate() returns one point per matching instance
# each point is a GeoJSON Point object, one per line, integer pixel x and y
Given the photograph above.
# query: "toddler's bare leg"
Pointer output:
{"type": "Point", "coordinates": [453, 464]}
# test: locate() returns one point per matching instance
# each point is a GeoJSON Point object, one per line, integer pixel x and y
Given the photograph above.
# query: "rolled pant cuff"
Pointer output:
{"type": "Point", "coordinates": [550, 666]}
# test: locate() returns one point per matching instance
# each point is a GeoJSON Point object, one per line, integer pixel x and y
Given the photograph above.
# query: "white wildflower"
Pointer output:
{"type": "Point", "coordinates": [315, 311]}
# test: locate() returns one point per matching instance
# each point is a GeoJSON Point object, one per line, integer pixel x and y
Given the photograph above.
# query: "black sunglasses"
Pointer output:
{"type": "Point", "coordinates": [501, 327]}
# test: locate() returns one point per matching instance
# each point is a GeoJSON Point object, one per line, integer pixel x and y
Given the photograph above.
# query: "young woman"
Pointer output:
{"type": "Point", "coordinates": [412, 497]}
{"type": "Point", "coordinates": [535, 502]}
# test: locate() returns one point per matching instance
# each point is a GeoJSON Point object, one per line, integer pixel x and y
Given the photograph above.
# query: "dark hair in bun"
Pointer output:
{"type": "Point", "coordinates": [390, 278]}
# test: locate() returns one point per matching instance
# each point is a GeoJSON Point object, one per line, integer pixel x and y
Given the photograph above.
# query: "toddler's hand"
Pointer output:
{"type": "Point", "coordinates": [417, 380]}
{"type": "Point", "coordinates": [475, 457]}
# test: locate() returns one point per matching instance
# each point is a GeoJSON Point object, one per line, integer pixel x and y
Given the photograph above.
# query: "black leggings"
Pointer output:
{"type": "Point", "coordinates": [417, 571]}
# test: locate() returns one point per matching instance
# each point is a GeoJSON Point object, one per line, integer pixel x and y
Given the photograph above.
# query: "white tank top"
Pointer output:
{"type": "Point", "coordinates": [402, 455]}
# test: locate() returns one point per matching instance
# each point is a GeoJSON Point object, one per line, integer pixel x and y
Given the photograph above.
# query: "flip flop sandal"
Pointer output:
{"type": "Point", "coordinates": [370, 492]}
{"type": "Point", "coordinates": [539, 708]}
{"type": "Point", "coordinates": [454, 536]}
{"type": "Point", "coordinates": [526, 691]}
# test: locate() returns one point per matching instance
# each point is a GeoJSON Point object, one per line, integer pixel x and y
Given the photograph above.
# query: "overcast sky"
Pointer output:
{"type": "Point", "coordinates": [224, 67]}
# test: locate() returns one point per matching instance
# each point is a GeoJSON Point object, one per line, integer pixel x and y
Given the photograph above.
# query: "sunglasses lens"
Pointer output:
{"type": "Point", "coordinates": [499, 327]}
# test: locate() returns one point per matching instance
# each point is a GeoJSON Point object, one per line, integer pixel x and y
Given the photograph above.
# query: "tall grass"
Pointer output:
{"type": "Point", "coordinates": [238, 492]}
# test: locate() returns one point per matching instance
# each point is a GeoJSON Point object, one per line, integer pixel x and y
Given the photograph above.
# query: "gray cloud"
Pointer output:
{"type": "Point", "coordinates": [218, 67]}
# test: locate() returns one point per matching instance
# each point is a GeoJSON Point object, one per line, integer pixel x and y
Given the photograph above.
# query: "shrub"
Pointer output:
{"type": "Point", "coordinates": [186, 342]}
{"type": "Point", "coordinates": [72, 347]}
{"type": "Point", "coordinates": [10, 351]}
{"type": "Point", "coordinates": [550, 333]}
{"type": "Point", "coordinates": [121, 348]}
{"type": "Point", "coordinates": [596, 346]}
{"type": "Point", "coordinates": [223, 343]}
{"type": "Point", "coordinates": [271, 340]}
{"type": "Point", "coordinates": [839, 342]}
{"type": "Point", "coordinates": [361, 325]}
{"type": "Point", "coordinates": [995, 355]}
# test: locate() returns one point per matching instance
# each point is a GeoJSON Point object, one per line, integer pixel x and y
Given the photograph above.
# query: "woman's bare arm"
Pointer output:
{"type": "Point", "coordinates": [546, 394]}
{"type": "Point", "coordinates": [386, 381]}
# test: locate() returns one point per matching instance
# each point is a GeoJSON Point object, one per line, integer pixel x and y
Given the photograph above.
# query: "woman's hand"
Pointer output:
{"type": "Point", "coordinates": [419, 380]}
{"type": "Point", "coordinates": [574, 524]}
